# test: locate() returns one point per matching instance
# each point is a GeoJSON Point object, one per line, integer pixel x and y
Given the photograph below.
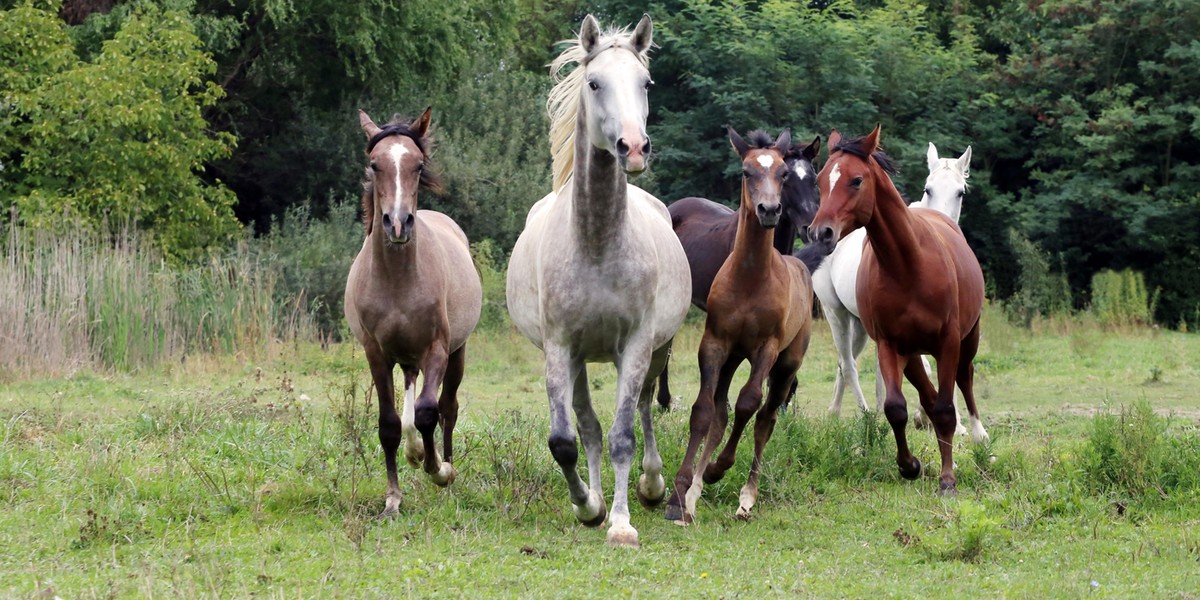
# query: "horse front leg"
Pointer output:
{"type": "Point", "coordinates": [651, 487]}
{"type": "Point", "coordinates": [389, 424]}
{"type": "Point", "coordinates": [712, 358]}
{"type": "Point", "coordinates": [782, 378]}
{"type": "Point", "coordinates": [748, 402]}
{"type": "Point", "coordinates": [632, 368]}
{"type": "Point", "coordinates": [426, 415]}
{"type": "Point", "coordinates": [562, 370]}
{"type": "Point", "coordinates": [895, 409]}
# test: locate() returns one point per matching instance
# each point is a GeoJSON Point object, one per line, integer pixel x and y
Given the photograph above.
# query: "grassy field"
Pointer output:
{"type": "Point", "coordinates": [233, 477]}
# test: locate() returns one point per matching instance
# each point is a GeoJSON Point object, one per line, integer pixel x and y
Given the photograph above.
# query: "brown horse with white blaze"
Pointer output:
{"type": "Point", "coordinates": [759, 309]}
{"type": "Point", "coordinates": [412, 298]}
{"type": "Point", "coordinates": [919, 290]}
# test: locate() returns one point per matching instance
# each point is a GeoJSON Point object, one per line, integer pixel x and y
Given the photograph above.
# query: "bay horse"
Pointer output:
{"type": "Point", "coordinates": [759, 309]}
{"type": "Point", "coordinates": [919, 290]}
{"type": "Point", "coordinates": [412, 298]}
{"type": "Point", "coordinates": [706, 230]}
{"type": "Point", "coordinates": [836, 282]}
{"type": "Point", "coordinates": [597, 274]}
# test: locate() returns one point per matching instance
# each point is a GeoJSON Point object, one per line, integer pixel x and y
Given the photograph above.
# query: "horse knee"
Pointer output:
{"type": "Point", "coordinates": [425, 418]}
{"type": "Point", "coordinates": [564, 451]}
{"type": "Point", "coordinates": [896, 412]}
{"type": "Point", "coordinates": [621, 445]}
{"type": "Point", "coordinates": [390, 433]}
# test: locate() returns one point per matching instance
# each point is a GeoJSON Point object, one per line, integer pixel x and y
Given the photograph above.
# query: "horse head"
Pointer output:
{"type": "Point", "coordinates": [614, 96]}
{"type": "Point", "coordinates": [764, 172]}
{"type": "Point", "coordinates": [800, 196]}
{"type": "Point", "coordinates": [947, 182]}
{"type": "Point", "coordinates": [398, 155]}
{"type": "Point", "coordinates": [848, 185]}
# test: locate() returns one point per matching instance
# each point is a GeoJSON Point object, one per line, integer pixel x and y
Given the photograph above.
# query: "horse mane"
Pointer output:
{"type": "Point", "coordinates": [563, 102]}
{"type": "Point", "coordinates": [430, 179]}
{"type": "Point", "coordinates": [855, 146]}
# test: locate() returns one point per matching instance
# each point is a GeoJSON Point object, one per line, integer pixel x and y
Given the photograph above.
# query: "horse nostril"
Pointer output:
{"type": "Point", "coordinates": [778, 209]}
{"type": "Point", "coordinates": [825, 234]}
{"type": "Point", "coordinates": [408, 221]}
{"type": "Point", "coordinates": [646, 148]}
{"type": "Point", "coordinates": [622, 147]}
{"type": "Point", "coordinates": [387, 221]}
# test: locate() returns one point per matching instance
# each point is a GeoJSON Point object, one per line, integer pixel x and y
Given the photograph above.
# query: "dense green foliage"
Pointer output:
{"type": "Point", "coordinates": [1081, 113]}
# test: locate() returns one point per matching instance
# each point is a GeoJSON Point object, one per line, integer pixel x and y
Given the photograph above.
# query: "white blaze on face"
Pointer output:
{"type": "Point", "coordinates": [766, 160]}
{"type": "Point", "coordinates": [834, 175]}
{"type": "Point", "coordinates": [802, 170]}
{"type": "Point", "coordinates": [396, 152]}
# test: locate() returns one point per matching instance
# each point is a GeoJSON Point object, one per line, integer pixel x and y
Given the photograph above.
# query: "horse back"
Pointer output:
{"type": "Point", "coordinates": [706, 231]}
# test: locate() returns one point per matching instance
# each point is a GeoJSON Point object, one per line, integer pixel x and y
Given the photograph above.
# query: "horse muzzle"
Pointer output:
{"type": "Point", "coordinates": [769, 214]}
{"type": "Point", "coordinates": [634, 158]}
{"type": "Point", "coordinates": [398, 231]}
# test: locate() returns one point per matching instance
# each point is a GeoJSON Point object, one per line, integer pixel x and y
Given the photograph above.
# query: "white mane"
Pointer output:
{"type": "Point", "coordinates": [563, 102]}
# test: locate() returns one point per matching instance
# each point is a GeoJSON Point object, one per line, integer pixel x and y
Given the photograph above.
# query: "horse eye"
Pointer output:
{"type": "Point", "coordinates": [592, 84]}
{"type": "Point", "coordinates": [649, 82]}
{"type": "Point", "coordinates": [856, 182]}
{"type": "Point", "coordinates": [374, 167]}
{"type": "Point", "coordinates": [926, 191]}
{"type": "Point", "coordinates": [784, 174]}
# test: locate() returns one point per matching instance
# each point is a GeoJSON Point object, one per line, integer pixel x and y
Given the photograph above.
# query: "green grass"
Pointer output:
{"type": "Point", "coordinates": [222, 478]}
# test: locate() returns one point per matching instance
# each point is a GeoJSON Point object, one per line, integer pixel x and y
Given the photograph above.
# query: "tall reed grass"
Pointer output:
{"type": "Point", "coordinates": [72, 302]}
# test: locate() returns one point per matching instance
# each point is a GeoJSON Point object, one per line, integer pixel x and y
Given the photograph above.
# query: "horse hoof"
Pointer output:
{"type": "Point", "coordinates": [912, 472]}
{"type": "Point", "coordinates": [651, 496]}
{"type": "Point", "coordinates": [686, 520]}
{"type": "Point", "coordinates": [948, 489]}
{"type": "Point", "coordinates": [581, 512]}
{"type": "Point", "coordinates": [625, 537]}
{"type": "Point", "coordinates": [445, 475]}
{"type": "Point", "coordinates": [415, 456]}
{"type": "Point", "coordinates": [391, 508]}
{"type": "Point", "coordinates": [673, 512]}
{"type": "Point", "coordinates": [743, 513]}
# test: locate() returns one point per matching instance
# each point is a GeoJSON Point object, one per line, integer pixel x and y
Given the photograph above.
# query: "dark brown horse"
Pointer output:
{"type": "Point", "coordinates": [413, 297]}
{"type": "Point", "coordinates": [920, 290]}
{"type": "Point", "coordinates": [759, 309]}
{"type": "Point", "coordinates": [706, 230]}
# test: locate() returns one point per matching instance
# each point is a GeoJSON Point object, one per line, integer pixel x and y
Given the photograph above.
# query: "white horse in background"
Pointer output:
{"type": "Point", "coordinates": [598, 274]}
{"type": "Point", "coordinates": [836, 284]}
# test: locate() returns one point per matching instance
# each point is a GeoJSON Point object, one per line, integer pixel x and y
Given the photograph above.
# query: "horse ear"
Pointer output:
{"type": "Point", "coordinates": [420, 127]}
{"type": "Point", "coordinates": [589, 34]}
{"type": "Point", "coordinates": [871, 142]}
{"type": "Point", "coordinates": [835, 138]}
{"type": "Point", "coordinates": [810, 151]}
{"type": "Point", "coordinates": [643, 34]}
{"type": "Point", "coordinates": [739, 145]}
{"type": "Point", "coordinates": [783, 143]}
{"type": "Point", "coordinates": [368, 126]}
{"type": "Point", "coordinates": [931, 157]}
{"type": "Point", "coordinates": [964, 163]}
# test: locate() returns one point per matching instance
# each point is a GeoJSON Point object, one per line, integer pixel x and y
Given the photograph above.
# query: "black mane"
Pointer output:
{"type": "Point", "coordinates": [759, 139]}
{"type": "Point", "coordinates": [855, 146]}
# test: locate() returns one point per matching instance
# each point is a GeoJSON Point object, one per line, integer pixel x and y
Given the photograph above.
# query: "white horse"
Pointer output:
{"type": "Point", "coordinates": [836, 284]}
{"type": "Point", "coordinates": [598, 274]}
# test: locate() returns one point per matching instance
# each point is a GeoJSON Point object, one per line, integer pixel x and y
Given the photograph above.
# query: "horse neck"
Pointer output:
{"type": "Point", "coordinates": [891, 231]}
{"type": "Point", "coordinates": [598, 188]}
{"type": "Point", "coordinates": [752, 244]}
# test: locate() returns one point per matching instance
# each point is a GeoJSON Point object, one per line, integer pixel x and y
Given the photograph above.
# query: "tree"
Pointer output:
{"type": "Point", "coordinates": [119, 138]}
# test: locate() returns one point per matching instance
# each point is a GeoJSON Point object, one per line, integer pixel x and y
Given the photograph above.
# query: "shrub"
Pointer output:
{"type": "Point", "coordinates": [1040, 291]}
{"type": "Point", "coordinates": [1133, 454]}
{"type": "Point", "coordinates": [1119, 298]}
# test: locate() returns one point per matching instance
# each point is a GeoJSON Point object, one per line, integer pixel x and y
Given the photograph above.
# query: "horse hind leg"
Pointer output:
{"type": "Point", "coordinates": [651, 487]}
{"type": "Point", "coordinates": [448, 404]}
{"type": "Point", "coordinates": [664, 385]}
{"type": "Point", "coordinates": [966, 382]}
{"type": "Point", "coordinates": [414, 449]}
{"type": "Point", "coordinates": [589, 430]}
{"type": "Point", "coordinates": [389, 425]}
{"type": "Point", "coordinates": [921, 420]}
